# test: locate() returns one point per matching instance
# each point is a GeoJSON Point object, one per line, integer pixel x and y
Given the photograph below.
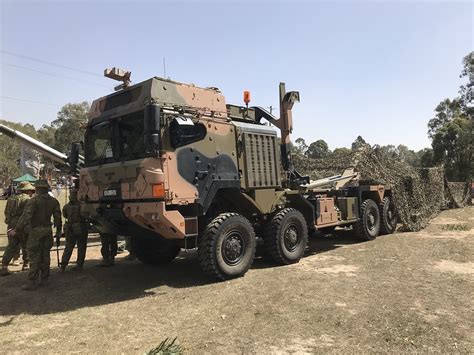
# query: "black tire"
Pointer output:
{"type": "Point", "coordinates": [327, 230]}
{"type": "Point", "coordinates": [286, 236]}
{"type": "Point", "coordinates": [227, 247]}
{"type": "Point", "coordinates": [368, 226]}
{"type": "Point", "coordinates": [388, 216]}
{"type": "Point", "coordinates": [154, 251]}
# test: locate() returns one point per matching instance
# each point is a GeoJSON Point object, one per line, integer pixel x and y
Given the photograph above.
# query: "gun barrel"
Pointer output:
{"type": "Point", "coordinates": [42, 148]}
{"type": "Point", "coordinates": [328, 181]}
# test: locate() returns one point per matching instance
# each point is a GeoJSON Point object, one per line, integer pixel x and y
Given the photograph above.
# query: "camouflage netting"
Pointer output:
{"type": "Point", "coordinates": [457, 194]}
{"type": "Point", "coordinates": [419, 194]}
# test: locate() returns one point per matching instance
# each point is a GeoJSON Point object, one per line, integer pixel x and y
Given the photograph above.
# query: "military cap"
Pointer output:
{"type": "Point", "coordinates": [42, 184]}
{"type": "Point", "coordinates": [25, 186]}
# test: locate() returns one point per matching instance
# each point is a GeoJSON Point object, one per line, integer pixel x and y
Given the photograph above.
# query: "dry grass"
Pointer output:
{"type": "Point", "coordinates": [403, 293]}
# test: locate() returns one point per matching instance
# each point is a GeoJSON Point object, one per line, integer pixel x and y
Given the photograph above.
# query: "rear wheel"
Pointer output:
{"type": "Point", "coordinates": [388, 216]}
{"type": "Point", "coordinates": [368, 226]}
{"type": "Point", "coordinates": [227, 248]}
{"type": "Point", "coordinates": [154, 251]}
{"type": "Point", "coordinates": [286, 236]}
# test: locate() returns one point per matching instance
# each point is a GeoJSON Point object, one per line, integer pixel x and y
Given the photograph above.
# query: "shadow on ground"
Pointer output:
{"type": "Point", "coordinates": [125, 281]}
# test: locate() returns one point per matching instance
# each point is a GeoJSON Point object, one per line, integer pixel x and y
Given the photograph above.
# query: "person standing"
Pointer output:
{"type": "Point", "coordinates": [108, 249]}
{"type": "Point", "coordinates": [37, 217]}
{"type": "Point", "coordinates": [75, 230]}
{"type": "Point", "coordinates": [13, 211]}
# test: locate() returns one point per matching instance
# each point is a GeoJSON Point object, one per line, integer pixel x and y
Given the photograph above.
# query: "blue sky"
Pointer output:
{"type": "Point", "coordinates": [373, 68]}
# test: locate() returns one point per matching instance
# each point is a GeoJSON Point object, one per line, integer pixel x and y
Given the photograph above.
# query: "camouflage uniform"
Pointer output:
{"type": "Point", "coordinates": [13, 211]}
{"type": "Point", "coordinates": [109, 248]}
{"type": "Point", "coordinates": [37, 216]}
{"type": "Point", "coordinates": [75, 230]}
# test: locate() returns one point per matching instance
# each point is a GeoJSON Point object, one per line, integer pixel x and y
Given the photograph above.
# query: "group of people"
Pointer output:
{"type": "Point", "coordinates": [30, 216]}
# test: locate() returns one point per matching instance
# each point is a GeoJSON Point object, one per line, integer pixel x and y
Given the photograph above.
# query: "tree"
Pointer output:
{"type": "Point", "coordinates": [359, 143]}
{"type": "Point", "coordinates": [300, 146]}
{"type": "Point", "coordinates": [425, 156]}
{"type": "Point", "coordinates": [341, 151]}
{"type": "Point", "coordinates": [446, 111]}
{"type": "Point", "coordinates": [451, 129]}
{"type": "Point", "coordinates": [11, 152]}
{"type": "Point", "coordinates": [451, 147]}
{"type": "Point", "coordinates": [318, 149]}
{"type": "Point", "coordinates": [68, 127]}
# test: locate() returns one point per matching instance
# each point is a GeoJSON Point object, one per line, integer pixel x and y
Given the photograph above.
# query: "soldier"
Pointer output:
{"type": "Point", "coordinates": [75, 230]}
{"type": "Point", "coordinates": [109, 249]}
{"type": "Point", "coordinates": [37, 217]}
{"type": "Point", "coordinates": [13, 210]}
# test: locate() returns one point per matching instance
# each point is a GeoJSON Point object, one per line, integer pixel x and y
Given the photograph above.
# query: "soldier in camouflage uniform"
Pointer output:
{"type": "Point", "coordinates": [13, 211]}
{"type": "Point", "coordinates": [37, 216]}
{"type": "Point", "coordinates": [108, 249]}
{"type": "Point", "coordinates": [75, 230]}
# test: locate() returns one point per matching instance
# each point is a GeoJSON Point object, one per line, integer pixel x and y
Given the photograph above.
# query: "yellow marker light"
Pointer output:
{"type": "Point", "coordinates": [158, 190]}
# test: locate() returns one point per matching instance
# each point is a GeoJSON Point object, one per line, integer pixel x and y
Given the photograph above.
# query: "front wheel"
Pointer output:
{"type": "Point", "coordinates": [154, 251]}
{"type": "Point", "coordinates": [368, 226]}
{"type": "Point", "coordinates": [286, 236]}
{"type": "Point", "coordinates": [227, 248]}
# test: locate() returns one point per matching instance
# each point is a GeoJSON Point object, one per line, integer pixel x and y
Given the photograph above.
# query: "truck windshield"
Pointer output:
{"type": "Point", "coordinates": [116, 140]}
{"type": "Point", "coordinates": [98, 144]}
{"type": "Point", "coordinates": [131, 141]}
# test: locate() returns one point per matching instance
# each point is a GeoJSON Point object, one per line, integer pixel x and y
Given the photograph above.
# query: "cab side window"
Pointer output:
{"type": "Point", "coordinates": [184, 131]}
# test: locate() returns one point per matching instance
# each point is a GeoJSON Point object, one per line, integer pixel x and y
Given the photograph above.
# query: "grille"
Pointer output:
{"type": "Point", "coordinates": [261, 160]}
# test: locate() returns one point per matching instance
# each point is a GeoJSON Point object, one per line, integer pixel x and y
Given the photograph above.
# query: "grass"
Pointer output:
{"type": "Point", "coordinates": [167, 348]}
{"type": "Point", "coordinates": [456, 227]}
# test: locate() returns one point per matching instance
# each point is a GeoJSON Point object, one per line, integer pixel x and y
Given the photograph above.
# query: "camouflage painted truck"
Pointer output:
{"type": "Point", "coordinates": [173, 166]}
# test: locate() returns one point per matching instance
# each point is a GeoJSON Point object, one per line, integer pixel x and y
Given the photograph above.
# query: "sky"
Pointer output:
{"type": "Point", "coordinates": [371, 68]}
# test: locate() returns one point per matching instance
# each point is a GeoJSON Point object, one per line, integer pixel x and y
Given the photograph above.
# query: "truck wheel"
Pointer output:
{"type": "Point", "coordinates": [388, 216]}
{"type": "Point", "coordinates": [154, 251]}
{"type": "Point", "coordinates": [286, 236]}
{"type": "Point", "coordinates": [368, 226]}
{"type": "Point", "coordinates": [227, 248]}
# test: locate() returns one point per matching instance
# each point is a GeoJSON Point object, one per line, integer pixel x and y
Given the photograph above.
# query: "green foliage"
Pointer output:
{"type": "Point", "coordinates": [11, 152]}
{"type": "Point", "coordinates": [359, 143]}
{"type": "Point", "coordinates": [166, 348]}
{"type": "Point", "coordinates": [451, 129]}
{"type": "Point", "coordinates": [317, 150]}
{"type": "Point", "coordinates": [446, 111]}
{"type": "Point", "coordinates": [451, 147]}
{"type": "Point", "coordinates": [68, 125]}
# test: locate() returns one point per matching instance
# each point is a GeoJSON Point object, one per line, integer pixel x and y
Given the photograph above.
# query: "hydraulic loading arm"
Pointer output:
{"type": "Point", "coordinates": [285, 125]}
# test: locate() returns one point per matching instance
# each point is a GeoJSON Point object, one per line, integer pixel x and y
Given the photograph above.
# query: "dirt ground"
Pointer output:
{"type": "Point", "coordinates": [408, 292]}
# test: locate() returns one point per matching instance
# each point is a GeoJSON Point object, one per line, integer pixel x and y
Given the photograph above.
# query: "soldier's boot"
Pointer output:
{"type": "Point", "coordinates": [15, 262]}
{"type": "Point", "coordinates": [112, 261]}
{"type": "Point", "coordinates": [62, 266]}
{"type": "Point", "coordinates": [25, 265]}
{"type": "Point", "coordinates": [5, 271]}
{"type": "Point", "coordinates": [31, 285]}
{"type": "Point", "coordinates": [104, 263]}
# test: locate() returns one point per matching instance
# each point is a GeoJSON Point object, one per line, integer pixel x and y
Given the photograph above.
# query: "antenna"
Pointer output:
{"type": "Point", "coordinates": [164, 67]}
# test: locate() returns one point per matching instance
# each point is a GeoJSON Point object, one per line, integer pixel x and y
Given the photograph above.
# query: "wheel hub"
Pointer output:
{"type": "Point", "coordinates": [291, 238]}
{"type": "Point", "coordinates": [233, 247]}
{"type": "Point", "coordinates": [370, 221]}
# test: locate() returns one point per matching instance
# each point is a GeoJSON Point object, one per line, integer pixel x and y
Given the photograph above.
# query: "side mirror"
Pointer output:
{"type": "Point", "coordinates": [152, 129]}
{"type": "Point", "coordinates": [73, 158]}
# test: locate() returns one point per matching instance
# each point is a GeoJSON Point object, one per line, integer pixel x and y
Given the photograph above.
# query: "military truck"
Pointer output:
{"type": "Point", "coordinates": [173, 166]}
